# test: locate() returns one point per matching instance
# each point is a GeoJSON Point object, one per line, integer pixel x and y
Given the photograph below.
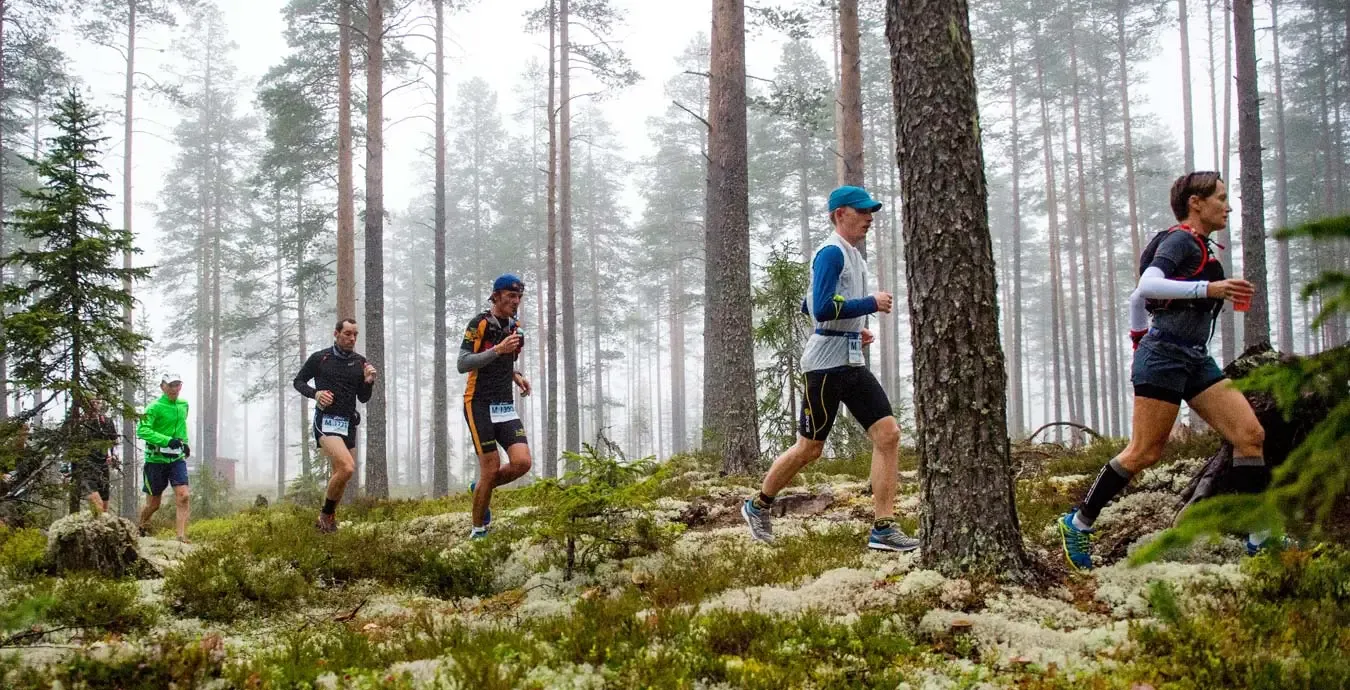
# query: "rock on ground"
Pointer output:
{"type": "Point", "coordinates": [97, 542]}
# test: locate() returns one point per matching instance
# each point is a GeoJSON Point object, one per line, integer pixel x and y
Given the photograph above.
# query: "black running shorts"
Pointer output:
{"type": "Point", "coordinates": [856, 387]}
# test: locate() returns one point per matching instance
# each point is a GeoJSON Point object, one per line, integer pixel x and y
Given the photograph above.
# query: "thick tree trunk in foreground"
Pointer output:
{"type": "Point", "coordinates": [728, 350]}
{"type": "Point", "coordinates": [965, 474]}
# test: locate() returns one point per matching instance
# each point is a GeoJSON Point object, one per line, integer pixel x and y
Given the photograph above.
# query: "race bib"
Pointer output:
{"type": "Point", "coordinates": [502, 412]}
{"type": "Point", "coordinates": [855, 355]}
{"type": "Point", "coordinates": [333, 424]}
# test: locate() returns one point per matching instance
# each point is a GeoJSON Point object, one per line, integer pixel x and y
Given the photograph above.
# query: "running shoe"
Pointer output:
{"type": "Point", "coordinates": [761, 526]}
{"type": "Point", "coordinates": [1077, 542]}
{"type": "Point", "coordinates": [891, 539]}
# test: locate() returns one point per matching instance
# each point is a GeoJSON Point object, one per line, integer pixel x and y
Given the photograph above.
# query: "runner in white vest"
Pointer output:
{"type": "Point", "coordinates": [833, 361]}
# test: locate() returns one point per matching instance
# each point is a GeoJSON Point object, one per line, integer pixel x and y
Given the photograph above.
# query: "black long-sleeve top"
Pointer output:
{"type": "Point", "coordinates": [342, 373]}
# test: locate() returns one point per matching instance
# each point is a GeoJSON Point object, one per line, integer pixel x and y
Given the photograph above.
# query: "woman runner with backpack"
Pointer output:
{"type": "Point", "coordinates": [1181, 291]}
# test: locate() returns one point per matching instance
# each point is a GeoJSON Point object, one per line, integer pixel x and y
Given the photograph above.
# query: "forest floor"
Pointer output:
{"type": "Point", "coordinates": [399, 598]}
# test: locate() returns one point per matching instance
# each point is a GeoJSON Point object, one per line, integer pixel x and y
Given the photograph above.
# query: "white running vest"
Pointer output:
{"type": "Point", "coordinates": [830, 351]}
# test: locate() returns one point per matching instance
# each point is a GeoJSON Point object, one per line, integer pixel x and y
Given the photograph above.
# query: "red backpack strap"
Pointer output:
{"type": "Point", "coordinates": [1204, 248]}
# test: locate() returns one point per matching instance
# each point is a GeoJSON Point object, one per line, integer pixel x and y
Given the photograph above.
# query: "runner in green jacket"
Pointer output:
{"type": "Point", "coordinates": [163, 427]}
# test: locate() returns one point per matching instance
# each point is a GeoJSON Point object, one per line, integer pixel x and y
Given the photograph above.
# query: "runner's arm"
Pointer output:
{"type": "Point", "coordinates": [146, 430]}
{"type": "Point", "coordinates": [307, 373]}
{"type": "Point", "coordinates": [1153, 284]}
{"type": "Point", "coordinates": [826, 303]}
{"type": "Point", "coordinates": [364, 389]}
{"type": "Point", "coordinates": [469, 356]}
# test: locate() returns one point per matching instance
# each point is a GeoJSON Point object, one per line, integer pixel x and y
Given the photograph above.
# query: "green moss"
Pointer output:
{"type": "Point", "coordinates": [21, 551]}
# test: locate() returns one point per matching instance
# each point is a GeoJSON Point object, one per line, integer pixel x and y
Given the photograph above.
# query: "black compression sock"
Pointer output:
{"type": "Point", "coordinates": [1250, 475]}
{"type": "Point", "coordinates": [329, 506]}
{"type": "Point", "coordinates": [1110, 481]}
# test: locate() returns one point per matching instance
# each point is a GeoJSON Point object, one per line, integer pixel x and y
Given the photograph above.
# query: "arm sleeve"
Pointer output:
{"type": "Point", "coordinates": [1138, 310]}
{"type": "Point", "coordinates": [1152, 285]}
{"type": "Point", "coordinates": [145, 430]}
{"type": "Point", "coordinates": [364, 390]}
{"type": "Point", "coordinates": [825, 302]}
{"type": "Point", "coordinates": [302, 379]}
{"type": "Point", "coordinates": [468, 361]}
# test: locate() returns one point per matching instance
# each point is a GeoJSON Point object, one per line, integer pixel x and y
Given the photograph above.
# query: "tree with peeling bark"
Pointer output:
{"type": "Point", "coordinates": [965, 471]}
{"type": "Point", "coordinates": [731, 427]}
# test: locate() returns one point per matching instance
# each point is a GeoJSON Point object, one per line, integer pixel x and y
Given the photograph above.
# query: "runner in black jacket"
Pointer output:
{"type": "Point", "coordinates": [341, 377]}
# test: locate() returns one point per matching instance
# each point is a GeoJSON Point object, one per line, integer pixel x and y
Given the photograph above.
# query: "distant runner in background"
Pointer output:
{"type": "Point", "coordinates": [163, 427]}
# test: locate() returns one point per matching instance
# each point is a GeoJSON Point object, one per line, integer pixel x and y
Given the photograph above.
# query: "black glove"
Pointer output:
{"type": "Point", "coordinates": [176, 443]}
{"type": "Point", "coordinates": [187, 451]}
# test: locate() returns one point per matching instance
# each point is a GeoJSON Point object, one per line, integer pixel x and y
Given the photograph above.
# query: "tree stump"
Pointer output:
{"type": "Point", "coordinates": [88, 542]}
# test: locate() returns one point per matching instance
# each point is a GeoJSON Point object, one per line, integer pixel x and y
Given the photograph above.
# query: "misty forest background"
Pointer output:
{"type": "Point", "coordinates": [270, 220]}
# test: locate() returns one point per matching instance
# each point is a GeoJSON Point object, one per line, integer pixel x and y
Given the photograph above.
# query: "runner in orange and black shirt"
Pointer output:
{"type": "Point", "coordinates": [492, 343]}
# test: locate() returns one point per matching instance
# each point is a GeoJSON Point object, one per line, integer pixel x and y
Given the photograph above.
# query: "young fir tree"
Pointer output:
{"type": "Point", "coordinates": [65, 333]}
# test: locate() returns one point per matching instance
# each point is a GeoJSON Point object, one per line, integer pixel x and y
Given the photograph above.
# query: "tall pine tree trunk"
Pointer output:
{"type": "Point", "coordinates": [130, 463]}
{"type": "Point", "coordinates": [377, 472]}
{"type": "Point", "coordinates": [1089, 313]}
{"type": "Point", "coordinates": [1213, 81]}
{"type": "Point", "coordinates": [4, 250]}
{"type": "Point", "coordinates": [440, 430]}
{"type": "Point", "coordinates": [1052, 206]}
{"type": "Point", "coordinates": [1131, 191]}
{"type": "Point", "coordinates": [850, 96]}
{"type": "Point", "coordinates": [282, 383]}
{"type": "Point", "coordinates": [1187, 120]}
{"type": "Point", "coordinates": [1013, 309]}
{"type": "Point", "coordinates": [1285, 294]}
{"type": "Point", "coordinates": [1227, 327]}
{"type": "Point", "coordinates": [551, 386]}
{"type": "Point", "coordinates": [803, 194]}
{"type": "Point", "coordinates": [679, 432]}
{"type": "Point", "coordinates": [728, 351]}
{"type": "Point", "coordinates": [571, 382]}
{"type": "Point", "coordinates": [346, 213]}
{"type": "Point", "coordinates": [1256, 322]}
{"type": "Point", "coordinates": [1075, 367]}
{"type": "Point", "coordinates": [965, 472]}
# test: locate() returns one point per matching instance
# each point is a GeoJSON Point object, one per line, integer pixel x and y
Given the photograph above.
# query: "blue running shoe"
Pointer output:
{"type": "Point", "coordinates": [478, 533]}
{"type": "Point", "coordinates": [1268, 544]}
{"type": "Point", "coordinates": [891, 539]}
{"type": "Point", "coordinates": [759, 522]}
{"type": "Point", "coordinates": [487, 514]}
{"type": "Point", "coordinates": [1077, 542]}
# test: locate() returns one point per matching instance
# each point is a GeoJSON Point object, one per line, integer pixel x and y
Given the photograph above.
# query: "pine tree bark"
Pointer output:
{"type": "Point", "coordinates": [965, 472]}
{"type": "Point", "coordinates": [1285, 290]}
{"type": "Point", "coordinates": [1116, 392]}
{"type": "Point", "coordinates": [1187, 121]}
{"type": "Point", "coordinates": [571, 382]}
{"type": "Point", "coordinates": [1227, 327]}
{"type": "Point", "coordinates": [377, 472]}
{"type": "Point", "coordinates": [1256, 322]}
{"type": "Point", "coordinates": [346, 212]}
{"type": "Point", "coordinates": [729, 349]}
{"type": "Point", "coordinates": [440, 423]}
{"type": "Point", "coordinates": [551, 463]}
{"type": "Point", "coordinates": [850, 96]}
{"type": "Point", "coordinates": [130, 463]}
